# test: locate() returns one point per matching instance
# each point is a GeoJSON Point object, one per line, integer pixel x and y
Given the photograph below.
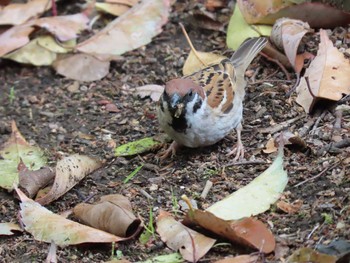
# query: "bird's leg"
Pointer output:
{"type": "Point", "coordinates": [171, 151]}
{"type": "Point", "coordinates": [239, 148]}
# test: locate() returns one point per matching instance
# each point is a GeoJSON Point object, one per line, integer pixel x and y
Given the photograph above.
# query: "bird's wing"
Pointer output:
{"type": "Point", "coordinates": [218, 82]}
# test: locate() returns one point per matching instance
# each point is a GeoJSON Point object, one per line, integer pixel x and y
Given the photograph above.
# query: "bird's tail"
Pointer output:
{"type": "Point", "coordinates": [247, 52]}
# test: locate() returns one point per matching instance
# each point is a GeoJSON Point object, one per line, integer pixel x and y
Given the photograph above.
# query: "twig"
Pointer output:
{"type": "Point", "coordinates": [278, 63]}
{"type": "Point", "coordinates": [280, 126]}
{"type": "Point", "coordinates": [207, 187]}
{"type": "Point", "coordinates": [317, 122]}
{"type": "Point", "coordinates": [338, 117]}
{"type": "Point", "coordinates": [245, 163]}
{"type": "Point", "coordinates": [334, 146]}
{"type": "Point", "coordinates": [296, 84]}
{"type": "Point", "coordinates": [309, 87]}
{"type": "Point", "coordinates": [313, 230]}
{"type": "Point", "coordinates": [317, 175]}
{"type": "Point", "coordinates": [307, 127]}
{"type": "Point", "coordinates": [190, 43]}
{"type": "Point", "coordinates": [147, 195]}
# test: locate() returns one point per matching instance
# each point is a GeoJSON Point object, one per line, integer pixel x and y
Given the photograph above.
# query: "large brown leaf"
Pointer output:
{"type": "Point", "coordinates": [112, 213]}
{"type": "Point", "coordinates": [191, 244]}
{"type": "Point", "coordinates": [132, 30]}
{"type": "Point", "coordinates": [328, 74]}
{"type": "Point", "coordinates": [247, 231]}
{"type": "Point", "coordinates": [49, 227]}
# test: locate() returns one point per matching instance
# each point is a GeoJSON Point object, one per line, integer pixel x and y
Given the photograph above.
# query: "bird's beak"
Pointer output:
{"type": "Point", "coordinates": [177, 105]}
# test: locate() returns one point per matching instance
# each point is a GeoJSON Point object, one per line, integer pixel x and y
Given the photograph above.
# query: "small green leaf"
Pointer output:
{"type": "Point", "coordinates": [170, 258]}
{"type": "Point", "coordinates": [239, 30]}
{"type": "Point", "coordinates": [132, 174]}
{"type": "Point", "coordinates": [137, 147]}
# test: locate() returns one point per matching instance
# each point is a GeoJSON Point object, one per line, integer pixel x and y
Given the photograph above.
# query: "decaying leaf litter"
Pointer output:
{"type": "Point", "coordinates": [321, 218]}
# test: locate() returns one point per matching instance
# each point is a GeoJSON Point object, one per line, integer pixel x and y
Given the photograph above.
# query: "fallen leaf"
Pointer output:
{"type": "Point", "coordinates": [153, 91]}
{"type": "Point", "coordinates": [130, 31]}
{"type": "Point", "coordinates": [33, 181]}
{"type": "Point", "coordinates": [16, 14]}
{"type": "Point", "coordinates": [191, 244]}
{"type": "Point", "coordinates": [137, 147]}
{"type": "Point", "coordinates": [338, 248]}
{"type": "Point", "coordinates": [7, 229]}
{"type": "Point", "coordinates": [270, 146]}
{"type": "Point", "coordinates": [69, 171]}
{"type": "Point", "coordinates": [111, 8]}
{"type": "Point", "coordinates": [289, 208]}
{"type": "Point", "coordinates": [170, 258]}
{"type": "Point", "coordinates": [63, 27]}
{"type": "Point", "coordinates": [51, 44]}
{"type": "Point", "coordinates": [247, 231]}
{"type": "Point", "coordinates": [240, 259]}
{"type": "Point", "coordinates": [286, 35]}
{"type": "Point", "coordinates": [11, 154]}
{"type": "Point", "coordinates": [34, 54]}
{"type": "Point", "coordinates": [112, 213]}
{"type": "Point", "coordinates": [328, 74]}
{"type": "Point", "coordinates": [256, 197]}
{"type": "Point", "coordinates": [239, 30]}
{"type": "Point", "coordinates": [81, 67]}
{"type": "Point", "coordinates": [267, 12]}
{"type": "Point", "coordinates": [310, 255]}
{"type": "Point", "coordinates": [193, 64]}
{"type": "Point", "coordinates": [13, 38]}
{"type": "Point", "coordinates": [49, 227]}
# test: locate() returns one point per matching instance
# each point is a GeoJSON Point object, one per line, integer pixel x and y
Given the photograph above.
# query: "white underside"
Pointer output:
{"type": "Point", "coordinates": [205, 127]}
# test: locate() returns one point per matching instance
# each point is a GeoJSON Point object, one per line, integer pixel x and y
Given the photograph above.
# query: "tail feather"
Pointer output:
{"type": "Point", "coordinates": [247, 52]}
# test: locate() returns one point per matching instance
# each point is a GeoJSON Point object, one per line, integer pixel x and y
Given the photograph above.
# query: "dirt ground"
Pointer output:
{"type": "Point", "coordinates": [63, 117]}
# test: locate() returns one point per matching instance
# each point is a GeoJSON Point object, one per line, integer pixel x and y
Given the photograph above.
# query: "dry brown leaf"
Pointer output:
{"type": "Point", "coordinates": [153, 91]}
{"type": "Point", "coordinates": [14, 38]}
{"type": "Point", "coordinates": [112, 213]}
{"type": "Point", "coordinates": [63, 27]}
{"type": "Point", "coordinates": [247, 231]}
{"type": "Point", "coordinates": [130, 31]}
{"type": "Point", "coordinates": [191, 244]}
{"type": "Point", "coordinates": [290, 208]}
{"type": "Point", "coordinates": [69, 171]}
{"type": "Point", "coordinates": [33, 181]}
{"type": "Point", "coordinates": [328, 74]}
{"type": "Point", "coordinates": [193, 64]}
{"type": "Point", "coordinates": [110, 8]}
{"type": "Point", "coordinates": [49, 227]}
{"type": "Point", "coordinates": [82, 67]}
{"type": "Point", "coordinates": [286, 35]}
{"type": "Point", "coordinates": [309, 255]}
{"type": "Point", "coordinates": [240, 259]}
{"type": "Point", "coordinates": [16, 14]}
{"type": "Point", "coordinates": [8, 228]}
{"type": "Point", "coordinates": [124, 2]}
{"type": "Point", "coordinates": [270, 146]}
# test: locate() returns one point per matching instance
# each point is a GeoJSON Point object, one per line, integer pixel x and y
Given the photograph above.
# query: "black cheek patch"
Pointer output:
{"type": "Point", "coordinates": [179, 124]}
{"type": "Point", "coordinates": [197, 106]}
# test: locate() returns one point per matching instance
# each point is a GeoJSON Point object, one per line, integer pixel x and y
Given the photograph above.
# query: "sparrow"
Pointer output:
{"type": "Point", "coordinates": [202, 108]}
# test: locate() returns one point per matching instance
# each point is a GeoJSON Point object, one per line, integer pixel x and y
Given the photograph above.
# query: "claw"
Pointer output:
{"type": "Point", "coordinates": [170, 152]}
{"type": "Point", "coordinates": [239, 148]}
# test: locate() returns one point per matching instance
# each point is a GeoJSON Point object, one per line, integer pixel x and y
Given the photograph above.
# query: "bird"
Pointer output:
{"type": "Point", "coordinates": [202, 108]}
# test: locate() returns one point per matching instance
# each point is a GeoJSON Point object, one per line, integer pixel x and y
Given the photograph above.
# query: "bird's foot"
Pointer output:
{"type": "Point", "coordinates": [170, 152]}
{"type": "Point", "coordinates": [238, 150]}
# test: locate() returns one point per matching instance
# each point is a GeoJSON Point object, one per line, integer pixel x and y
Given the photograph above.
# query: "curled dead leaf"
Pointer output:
{"type": "Point", "coordinates": [112, 213]}
{"type": "Point", "coordinates": [191, 244]}
{"type": "Point", "coordinates": [49, 227]}
{"type": "Point", "coordinates": [69, 171]}
{"type": "Point", "coordinates": [290, 208]}
{"type": "Point", "coordinates": [247, 231]}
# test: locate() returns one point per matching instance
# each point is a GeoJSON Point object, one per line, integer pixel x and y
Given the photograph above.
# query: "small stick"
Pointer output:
{"type": "Point", "coordinates": [317, 175]}
{"type": "Point", "coordinates": [278, 63]}
{"type": "Point", "coordinates": [190, 44]}
{"type": "Point", "coordinates": [207, 187]}
{"type": "Point", "coordinates": [317, 122]}
{"type": "Point", "coordinates": [245, 163]}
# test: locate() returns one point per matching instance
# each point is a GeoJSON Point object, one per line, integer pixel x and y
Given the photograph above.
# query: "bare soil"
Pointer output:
{"type": "Point", "coordinates": [64, 117]}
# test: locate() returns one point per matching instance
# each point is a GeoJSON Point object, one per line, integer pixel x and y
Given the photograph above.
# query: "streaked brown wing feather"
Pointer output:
{"type": "Point", "coordinates": [217, 80]}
